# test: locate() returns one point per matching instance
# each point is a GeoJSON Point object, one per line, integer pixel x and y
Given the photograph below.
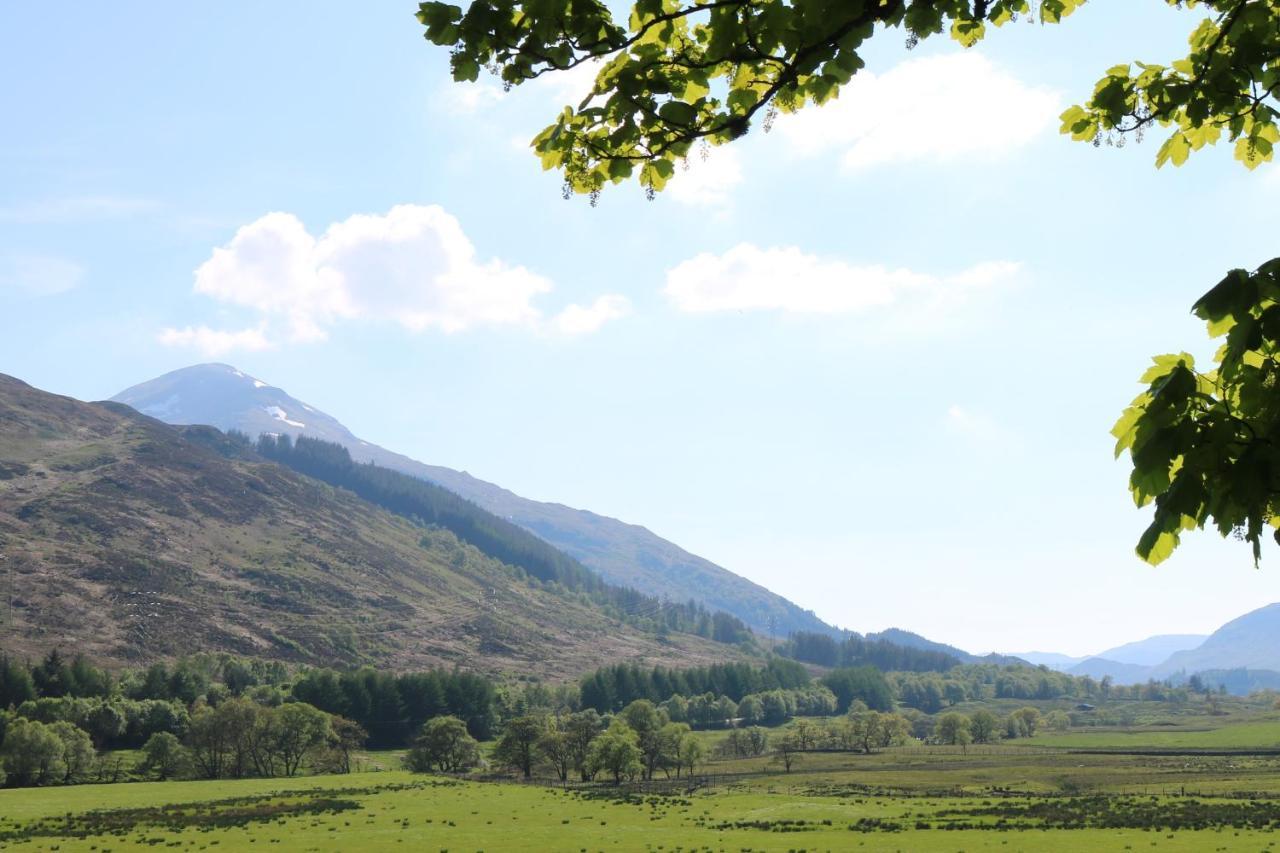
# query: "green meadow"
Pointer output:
{"type": "Point", "coordinates": [397, 811]}
{"type": "Point", "coordinates": [1209, 789]}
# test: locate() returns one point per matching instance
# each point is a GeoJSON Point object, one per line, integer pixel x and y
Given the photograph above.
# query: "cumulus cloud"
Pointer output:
{"type": "Point", "coordinates": [215, 342]}
{"type": "Point", "coordinates": [751, 278]}
{"type": "Point", "coordinates": [940, 108]}
{"type": "Point", "coordinates": [709, 181]}
{"type": "Point", "coordinates": [413, 266]}
{"type": "Point", "coordinates": [581, 320]}
{"type": "Point", "coordinates": [39, 275]}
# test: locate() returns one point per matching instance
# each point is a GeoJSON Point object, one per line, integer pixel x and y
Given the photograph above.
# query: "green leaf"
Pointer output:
{"type": "Point", "coordinates": [1176, 149]}
{"type": "Point", "coordinates": [678, 112]}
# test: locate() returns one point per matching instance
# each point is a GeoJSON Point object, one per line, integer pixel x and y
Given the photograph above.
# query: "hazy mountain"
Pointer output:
{"type": "Point", "coordinates": [1126, 664]}
{"type": "Point", "coordinates": [1053, 660]}
{"type": "Point", "coordinates": [1249, 642]}
{"type": "Point", "coordinates": [131, 540]}
{"type": "Point", "coordinates": [1120, 673]}
{"type": "Point", "coordinates": [1153, 650]}
{"type": "Point", "coordinates": [623, 554]}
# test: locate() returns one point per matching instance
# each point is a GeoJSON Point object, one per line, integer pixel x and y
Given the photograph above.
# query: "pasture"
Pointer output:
{"type": "Point", "coordinates": [1034, 795]}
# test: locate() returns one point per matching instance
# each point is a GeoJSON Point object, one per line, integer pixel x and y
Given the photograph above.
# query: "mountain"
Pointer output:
{"type": "Point", "coordinates": [1119, 672]}
{"type": "Point", "coordinates": [1238, 682]}
{"type": "Point", "coordinates": [1153, 650]}
{"type": "Point", "coordinates": [899, 637]}
{"type": "Point", "coordinates": [1250, 642]}
{"type": "Point", "coordinates": [131, 540]}
{"type": "Point", "coordinates": [1126, 664]}
{"type": "Point", "coordinates": [1053, 660]}
{"type": "Point", "coordinates": [623, 554]}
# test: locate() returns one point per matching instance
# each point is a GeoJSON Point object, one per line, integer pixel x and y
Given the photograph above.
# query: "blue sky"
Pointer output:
{"type": "Point", "coordinates": [869, 359]}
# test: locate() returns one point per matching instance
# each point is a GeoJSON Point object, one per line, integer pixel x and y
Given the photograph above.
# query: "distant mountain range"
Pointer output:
{"type": "Point", "coordinates": [219, 395]}
{"type": "Point", "coordinates": [1243, 654]}
{"type": "Point", "coordinates": [131, 541]}
{"type": "Point", "coordinates": [1250, 642]}
{"type": "Point", "coordinates": [1152, 650]}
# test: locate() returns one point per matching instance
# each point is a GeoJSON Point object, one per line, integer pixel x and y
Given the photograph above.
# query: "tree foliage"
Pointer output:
{"type": "Point", "coordinates": [612, 688]}
{"type": "Point", "coordinates": [443, 745]}
{"type": "Point", "coordinates": [1205, 445]}
{"type": "Point", "coordinates": [675, 73]}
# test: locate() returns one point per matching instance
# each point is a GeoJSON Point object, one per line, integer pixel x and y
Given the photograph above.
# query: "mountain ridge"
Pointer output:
{"type": "Point", "coordinates": [622, 553]}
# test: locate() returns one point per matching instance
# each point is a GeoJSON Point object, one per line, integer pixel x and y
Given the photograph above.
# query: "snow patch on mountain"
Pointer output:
{"type": "Point", "coordinates": [281, 415]}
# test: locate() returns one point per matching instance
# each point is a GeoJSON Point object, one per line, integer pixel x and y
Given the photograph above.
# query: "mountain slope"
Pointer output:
{"type": "Point", "coordinates": [1153, 650]}
{"type": "Point", "coordinates": [131, 540]}
{"type": "Point", "coordinates": [1118, 671]}
{"type": "Point", "coordinates": [899, 637]}
{"type": "Point", "coordinates": [1053, 660]}
{"type": "Point", "coordinates": [623, 554]}
{"type": "Point", "coordinates": [1250, 642]}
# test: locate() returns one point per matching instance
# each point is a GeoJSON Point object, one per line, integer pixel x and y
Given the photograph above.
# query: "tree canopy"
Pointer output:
{"type": "Point", "coordinates": [677, 73]}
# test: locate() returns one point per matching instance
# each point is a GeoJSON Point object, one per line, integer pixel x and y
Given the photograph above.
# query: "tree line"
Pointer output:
{"type": "Point", "coordinates": [612, 688]}
{"type": "Point", "coordinates": [855, 650]}
{"type": "Point", "coordinates": [65, 720]}
{"type": "Point", "coordinates": [932, 692]}
{"type": "Point", "coordinates": [429, 504]}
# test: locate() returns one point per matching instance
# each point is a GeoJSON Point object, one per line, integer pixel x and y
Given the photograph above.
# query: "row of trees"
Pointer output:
{"type": "Point", "coordinates": [983, 726]}
{"type": "Point", "coordinates": [238, 738]}
{"type": "Point", "coordinates": [932, 692]}
{"type": "Point", "coordinates": [391, 708]}
{"type": "Point", "coordinates": [640, 741]}
{"type": "Point", "coordinates": [614, 687]}
{"type": "Point", "coordinates": [186, 680]}
{"type": "Point", "coordinates": [771, 707]}
{"type": "Point", "coordinates": [111, 723]}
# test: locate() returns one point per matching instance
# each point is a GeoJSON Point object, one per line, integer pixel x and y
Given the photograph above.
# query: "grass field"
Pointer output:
{"type": "Point", "coordinates": [1038, 794]}
{"type": "Point", "coordinates": [397, 811]}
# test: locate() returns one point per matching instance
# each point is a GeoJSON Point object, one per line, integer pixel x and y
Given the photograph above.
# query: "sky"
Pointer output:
{"type": "Point", "coordinates": [868, 359]}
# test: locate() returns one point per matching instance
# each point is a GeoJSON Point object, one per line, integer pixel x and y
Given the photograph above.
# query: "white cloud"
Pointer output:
{"type": "Point", "coordinates": [469, 98]}
{"type": "Point", "coordinates": [941, 108]}
{"type": "Point", "coordinates": [580, 320]}
{"type": "Point", "coordinates": [215, 342]}
{"type": "Point", "coordinates": [39, 275]}
{"type": "Point", "coordinates": [709, 181]}
{"type": "Point", "coordinates": [412, 266]}
{"type": "Point", "coordinates": [750, 278]}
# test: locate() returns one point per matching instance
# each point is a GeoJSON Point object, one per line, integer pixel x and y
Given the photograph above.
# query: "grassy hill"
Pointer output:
{"type": "Point", "coordinates": [131, 540]}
